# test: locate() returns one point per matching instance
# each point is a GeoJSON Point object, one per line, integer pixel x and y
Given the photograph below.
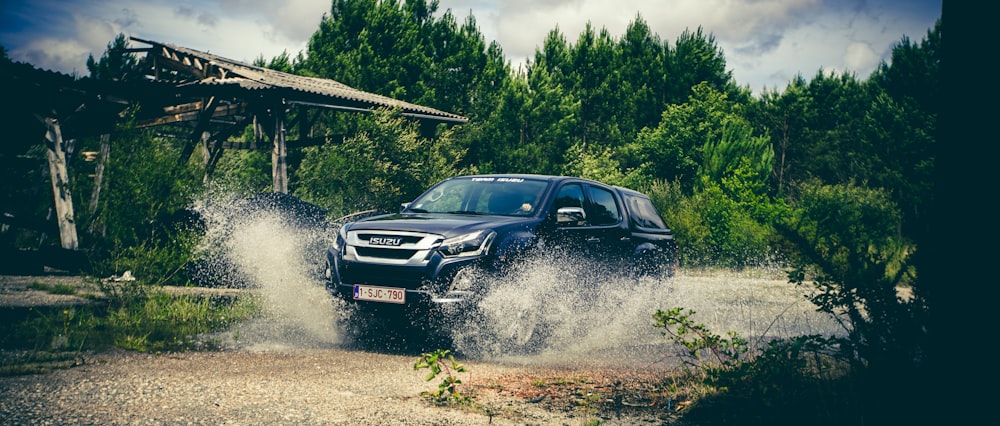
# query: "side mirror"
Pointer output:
{"type": "Point", "coordinates": [404, 206]}
{"type": "Point", "coordinates": [570, 216]}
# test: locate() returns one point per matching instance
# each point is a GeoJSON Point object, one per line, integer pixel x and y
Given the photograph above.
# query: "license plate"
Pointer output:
{"type": "Point", "coordinates": [380, 294]}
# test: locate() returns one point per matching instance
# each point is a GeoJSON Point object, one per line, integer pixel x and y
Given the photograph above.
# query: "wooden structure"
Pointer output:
{"type": "Point", "coordinates": [211, 97]}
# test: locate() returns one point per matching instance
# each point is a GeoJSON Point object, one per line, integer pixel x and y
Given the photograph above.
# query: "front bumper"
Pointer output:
{"type": "Point", "coordinates": [433, 284]}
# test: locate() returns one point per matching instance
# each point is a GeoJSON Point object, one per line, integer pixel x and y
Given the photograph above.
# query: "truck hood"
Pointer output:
{"type": "Point", "coordinates": [446, 225]}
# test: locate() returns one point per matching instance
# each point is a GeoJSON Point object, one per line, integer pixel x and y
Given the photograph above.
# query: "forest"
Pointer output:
{"type": "Point", "coordinates": [830, 177]}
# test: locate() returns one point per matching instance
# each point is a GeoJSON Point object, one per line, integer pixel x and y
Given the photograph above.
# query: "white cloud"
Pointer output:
{"type": "Point", "coordinates": [861, 56]}
{"type": "Point", "coordinates": [68, 56]}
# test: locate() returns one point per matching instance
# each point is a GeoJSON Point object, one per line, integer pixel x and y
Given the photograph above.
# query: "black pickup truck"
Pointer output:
{"type": "Point", "coordinates": [419, 259]}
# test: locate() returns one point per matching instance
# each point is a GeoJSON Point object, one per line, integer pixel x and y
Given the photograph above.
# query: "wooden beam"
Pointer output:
{"type": "Point", "coordinates": [191, 112]}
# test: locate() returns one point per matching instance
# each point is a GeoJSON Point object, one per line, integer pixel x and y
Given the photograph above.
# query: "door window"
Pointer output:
{"type": "Point", "coordinates": [570, 196]}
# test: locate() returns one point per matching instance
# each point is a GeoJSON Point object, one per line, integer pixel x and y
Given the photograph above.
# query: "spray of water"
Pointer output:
{"type": "Point", "coordinates": [546, 311]}
{"type": "Point", "coordinates": [273, 247]}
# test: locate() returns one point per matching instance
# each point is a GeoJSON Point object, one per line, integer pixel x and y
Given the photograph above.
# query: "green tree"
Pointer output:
{"type": "Point", "coordinates": [278, 63]}
{"type": "Point", "coordinates": [642, 82]}
{"type": "Point", "coordinates": [498, 123]}
{"type": "Point", "coordinates": [404, 51]}
{"type": "Point", "coordinates": [594, 80]}
{"type": "Point", "coordinates": [695, 58]}
{"type": "Point", "coordinates": [595, 163]}
{"type": "Point", "coordinates": [117, 62]}
{"type": "Point", "coordinates": [902, 124]}
{"type": "Point", "coordinates": [737, 146]}
{"type": "Point", "coordinates": [675, 149]}
{"type": "Point", "coordinates": [551, 115]}
{"type": "Point", "coordinates": [784, 116]}
{"type": "Point", "coordinates": [836, 151]}
{"type": "Point", "coordinates": [384, 164]}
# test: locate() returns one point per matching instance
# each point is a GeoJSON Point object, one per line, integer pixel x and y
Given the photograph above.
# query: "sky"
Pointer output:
{"type": "Point", "coordinates": [766, 43]}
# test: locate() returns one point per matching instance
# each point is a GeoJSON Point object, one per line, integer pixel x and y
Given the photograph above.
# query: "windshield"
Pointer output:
{"type": "Point", "coordinates": [505, 196]}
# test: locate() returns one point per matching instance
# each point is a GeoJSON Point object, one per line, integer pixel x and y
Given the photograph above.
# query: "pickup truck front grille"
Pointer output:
{"type": "Point", "coordinates": [390, 247]}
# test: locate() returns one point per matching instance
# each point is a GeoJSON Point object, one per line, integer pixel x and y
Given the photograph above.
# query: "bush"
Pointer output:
{"type": "Point", "coordinates": [711, 228]}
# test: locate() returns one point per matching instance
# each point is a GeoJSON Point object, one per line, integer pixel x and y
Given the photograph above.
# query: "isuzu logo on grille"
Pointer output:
{"type": "Point", "coordinates": [385, 241]}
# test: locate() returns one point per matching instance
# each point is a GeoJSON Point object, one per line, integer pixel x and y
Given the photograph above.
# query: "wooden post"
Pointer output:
{"type": "Point", "coordinates": [60, 185]}
{"type": "Point", "coordinates": [258, 133]}
{"type": "Point", "coordinates": [206, 155]}
{"type": "Point", "coordinates": [279, 160]}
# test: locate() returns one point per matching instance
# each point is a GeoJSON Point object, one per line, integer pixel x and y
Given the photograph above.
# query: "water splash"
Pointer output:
{"type": "Point", "coordinates": [273, 246]}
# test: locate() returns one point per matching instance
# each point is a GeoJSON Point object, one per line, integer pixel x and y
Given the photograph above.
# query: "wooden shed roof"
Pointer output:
{"type": "Point", "coordinates": [196, 68]}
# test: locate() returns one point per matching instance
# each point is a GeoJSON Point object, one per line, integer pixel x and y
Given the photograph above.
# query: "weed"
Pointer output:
{"type": "Point", "coordinates": [589, 403]}
{"type": "Point", "coordinates": [437, 362]}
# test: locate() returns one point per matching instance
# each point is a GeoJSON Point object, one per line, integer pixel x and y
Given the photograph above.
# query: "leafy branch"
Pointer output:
{"type": "Point", "coordinates": [697, 339]}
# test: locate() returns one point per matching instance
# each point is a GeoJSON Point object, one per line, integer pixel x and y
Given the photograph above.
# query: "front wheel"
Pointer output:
{"type": "Point", "coordinates": [655, 263]}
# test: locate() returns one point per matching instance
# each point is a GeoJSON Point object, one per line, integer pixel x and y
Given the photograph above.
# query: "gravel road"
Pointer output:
{"type": "Point", "coordinates": [297, 387]}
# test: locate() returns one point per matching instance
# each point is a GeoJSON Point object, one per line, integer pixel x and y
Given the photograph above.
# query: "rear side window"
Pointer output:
{"type": "Point", "coordinates": [604, 210]}
{"type": "Point", "coordinates": [643, 214]}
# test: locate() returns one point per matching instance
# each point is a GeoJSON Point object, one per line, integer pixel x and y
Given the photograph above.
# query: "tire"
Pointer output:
{"type": "Point", "coordinates": [526, 334]}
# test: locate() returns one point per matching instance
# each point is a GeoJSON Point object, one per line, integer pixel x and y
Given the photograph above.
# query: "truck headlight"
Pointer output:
{"type": "Point", "coordinates": [341, 241]}
{"type": "Point", "coordinates": [472, 244]}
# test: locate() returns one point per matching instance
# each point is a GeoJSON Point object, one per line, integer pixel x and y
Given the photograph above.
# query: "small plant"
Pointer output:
{"type": "Point", "coordinates": [437, 362]}
{"type": "Point", "coordinates": [589, 403]}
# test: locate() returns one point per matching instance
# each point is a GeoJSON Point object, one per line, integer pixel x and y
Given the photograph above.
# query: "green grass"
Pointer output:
{"type": "Point", "coordinates": [59, 288]}
{"type": "Point", "coordinates": [132, 316]}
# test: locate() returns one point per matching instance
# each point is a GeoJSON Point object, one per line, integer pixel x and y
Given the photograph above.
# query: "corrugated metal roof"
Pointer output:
{"type": "Point", "coordinates": [331, 93]}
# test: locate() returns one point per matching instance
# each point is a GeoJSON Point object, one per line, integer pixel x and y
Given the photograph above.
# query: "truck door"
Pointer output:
{"type": "Point", "coordinates": [599, 234]}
